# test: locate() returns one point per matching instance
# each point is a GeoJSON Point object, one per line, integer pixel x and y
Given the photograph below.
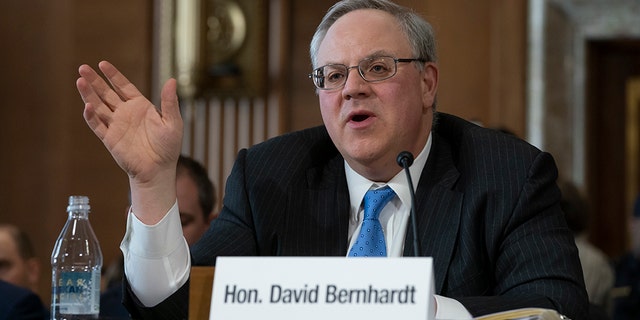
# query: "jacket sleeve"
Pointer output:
{"type": "Point", "coordinates": [535, 259]}
{"type": "Point", "coordinates": [174, 307]}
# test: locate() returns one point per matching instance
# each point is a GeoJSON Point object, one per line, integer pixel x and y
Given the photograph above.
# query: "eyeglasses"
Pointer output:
{"type": "Point", "coordinates": [334, 76]}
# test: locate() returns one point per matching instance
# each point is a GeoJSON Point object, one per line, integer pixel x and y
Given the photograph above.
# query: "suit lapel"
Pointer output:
{"type": "Point", "coordinates": [438, 210]}
{"type": "Point", "coordinates": [318, 215]}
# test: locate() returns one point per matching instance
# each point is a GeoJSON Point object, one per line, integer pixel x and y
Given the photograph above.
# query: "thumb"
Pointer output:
{"type": "Point", "coordinates": [169, 101]}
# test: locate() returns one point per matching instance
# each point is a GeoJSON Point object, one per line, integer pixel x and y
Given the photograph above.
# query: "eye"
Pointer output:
{"type": "Point", "coordinates": [5, 266]}
{"type": "Point", "coordinates": [335, 76]}
{"type": "Point", "coordinates": [185, 219]}
{"type": "Point", "coordinates": [379, 68]}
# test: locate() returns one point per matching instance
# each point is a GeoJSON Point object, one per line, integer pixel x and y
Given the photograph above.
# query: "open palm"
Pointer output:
{"type": "Point", "coordinates": [143, 139]}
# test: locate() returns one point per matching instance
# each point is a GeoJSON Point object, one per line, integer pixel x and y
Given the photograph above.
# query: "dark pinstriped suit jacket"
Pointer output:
{"type": "Point", "coordinates": [487, 208]}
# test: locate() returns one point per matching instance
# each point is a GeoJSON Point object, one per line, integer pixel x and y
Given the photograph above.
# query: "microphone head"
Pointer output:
{"type": "Point", "coordinates": [405, 159]}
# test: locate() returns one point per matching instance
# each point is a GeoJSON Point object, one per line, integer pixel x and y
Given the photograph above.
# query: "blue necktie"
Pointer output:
{"type": "Point", "coordinates": [370, 241]}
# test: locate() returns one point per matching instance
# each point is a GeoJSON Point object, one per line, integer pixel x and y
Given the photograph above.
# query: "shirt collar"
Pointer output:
{"type": "Point", "coordinates": [359, 185]}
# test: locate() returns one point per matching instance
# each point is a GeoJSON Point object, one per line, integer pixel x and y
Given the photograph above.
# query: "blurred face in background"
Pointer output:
{"type": "Point", "coordinates": [194, 223]}
{"type": "Point", "coordinates": [15, 269]}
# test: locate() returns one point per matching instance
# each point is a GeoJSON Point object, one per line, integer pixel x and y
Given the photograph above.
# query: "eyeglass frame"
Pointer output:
{"type": "Point", "coordinates": [313, 75]}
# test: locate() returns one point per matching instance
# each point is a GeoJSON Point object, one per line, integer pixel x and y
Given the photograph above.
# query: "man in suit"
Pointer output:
{"type": "Point", "coordinates": [487, 203]}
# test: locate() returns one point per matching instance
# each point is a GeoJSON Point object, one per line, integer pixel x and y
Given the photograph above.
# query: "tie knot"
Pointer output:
{"type": "Point", "coordinates": [375, 200]}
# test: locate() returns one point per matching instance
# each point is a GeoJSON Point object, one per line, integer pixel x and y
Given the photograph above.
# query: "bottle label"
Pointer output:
{"type": "Point", "coordinates": [78, 292]}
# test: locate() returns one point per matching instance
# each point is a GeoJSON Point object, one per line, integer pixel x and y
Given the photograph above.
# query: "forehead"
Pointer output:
{"type": "Point", "coordinates": [186, 185]}
{"type": "Point", "coordinates": [362, 33]}
{"type": "Point", "coordinates": [7, 244]}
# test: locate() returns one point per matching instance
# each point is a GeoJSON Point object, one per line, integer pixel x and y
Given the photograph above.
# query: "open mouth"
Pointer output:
{"type": "Point", "coordinates": [359, 117]}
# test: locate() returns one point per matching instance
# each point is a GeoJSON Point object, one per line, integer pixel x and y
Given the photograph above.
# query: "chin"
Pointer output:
{"type": "Point", "coordinates": [364, 156]}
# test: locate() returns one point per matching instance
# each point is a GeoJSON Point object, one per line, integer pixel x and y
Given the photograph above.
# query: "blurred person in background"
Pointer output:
{"type": "Point", "coordinates": [597, 267]}
{"type": "Point", "coordinates": [19, 276]}
{"type": "Point", "coordinates": [626, 305]}
{"type": "Point", "coordinates": [196, 198]}
{"type": "Point", "coordinates": [18, 263]}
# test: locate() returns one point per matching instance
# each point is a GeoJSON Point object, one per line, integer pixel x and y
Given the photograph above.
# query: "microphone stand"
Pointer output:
{"type": "Point", "coordinates": [405, 160]}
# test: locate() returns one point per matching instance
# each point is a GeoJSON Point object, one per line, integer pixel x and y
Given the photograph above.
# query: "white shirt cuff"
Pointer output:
{"type": "Point", "coordinates": [156, 257]}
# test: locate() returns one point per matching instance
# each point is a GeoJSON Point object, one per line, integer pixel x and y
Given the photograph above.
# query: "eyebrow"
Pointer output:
{"type": "Point", "coordinates": [380, 53]}
{"type": "Point", "coordinates": [376, 54]}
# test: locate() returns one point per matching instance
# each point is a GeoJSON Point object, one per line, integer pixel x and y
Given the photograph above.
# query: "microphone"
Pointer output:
{"type": "Point", "coordinates": [405, 160]}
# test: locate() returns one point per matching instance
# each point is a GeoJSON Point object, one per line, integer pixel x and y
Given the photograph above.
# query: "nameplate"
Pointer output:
{"type": "Point", "coordinates": [322, 288]}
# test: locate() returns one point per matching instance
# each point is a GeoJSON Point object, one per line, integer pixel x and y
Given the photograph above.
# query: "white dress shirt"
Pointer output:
{"type": "Point", "coordinates": [394, 219]}
{"type": "Point", "coordinates": [157, 260]}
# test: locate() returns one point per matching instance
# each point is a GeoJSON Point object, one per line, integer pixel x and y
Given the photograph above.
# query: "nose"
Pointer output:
{"type": "Point", "coordinates": [355, 85]}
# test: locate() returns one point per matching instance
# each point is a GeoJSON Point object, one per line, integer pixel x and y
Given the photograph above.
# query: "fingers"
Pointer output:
{"type": "Point", "coordinates": [97, 91]}
{"type": "Point", "coordinates": [95, 110]}
{"type": "Point", "coordinates": [98, 126]}
{"type": "Point", "coordinates": [102, 102]}
{"type": "Point", "coordinates": [122, 86]}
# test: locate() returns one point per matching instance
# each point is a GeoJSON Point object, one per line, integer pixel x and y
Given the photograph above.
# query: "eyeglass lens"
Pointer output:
{"type": "Point", "coordinates": [373, 69]}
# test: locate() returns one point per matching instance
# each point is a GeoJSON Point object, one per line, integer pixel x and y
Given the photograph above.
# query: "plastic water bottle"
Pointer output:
{"type": "Point", "coordinates": [76, 262]}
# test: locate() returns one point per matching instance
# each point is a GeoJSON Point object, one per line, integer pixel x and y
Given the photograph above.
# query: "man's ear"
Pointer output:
{"type": "Point", "coordinates": [212, 216]}
{"type": "Point", "coordinates": [429, 84]}
{"type": "Point", "coordinates": [33, 272]}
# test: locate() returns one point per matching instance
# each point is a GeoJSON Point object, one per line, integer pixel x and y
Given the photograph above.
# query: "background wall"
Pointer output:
{"type": "Point", "coordinates": [47, 151]}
